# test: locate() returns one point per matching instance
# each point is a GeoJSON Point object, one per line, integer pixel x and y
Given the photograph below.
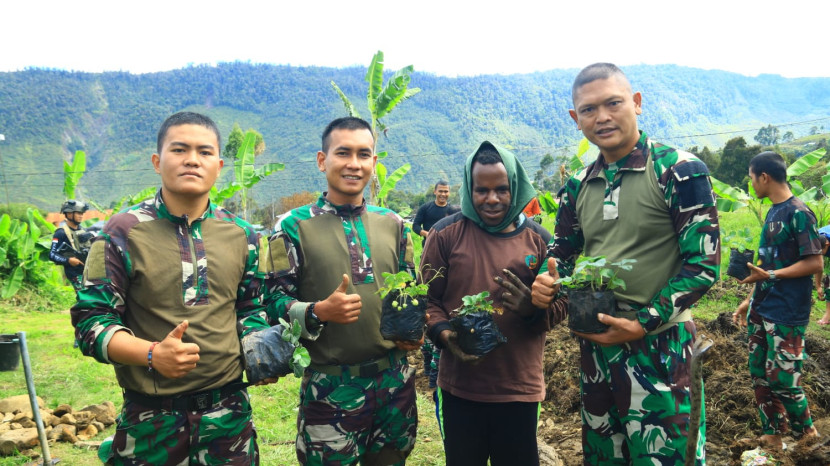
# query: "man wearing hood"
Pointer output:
{"type": "Point", "coordinates": [490, 246]}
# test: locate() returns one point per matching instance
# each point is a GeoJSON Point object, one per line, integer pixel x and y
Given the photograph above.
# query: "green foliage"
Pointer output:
{"type": "Point", "coordinates": [596, 273]}
{"type": "Point", "coordinates": [768, 135]}
{"type": "Point", "coordinates": [72, 173]}
{"type": "Point", "coordinates": [300, 359]}
{"type": "Point", "coordinates": [407, 287]}
{"type": "Point", "coordinates": [235, 139]}
{"type": "Point", "coordinates": [481, 302]}
{"type": "Point", "coordinates": [24, 253]}
{"type": "Point", "coordinates": [734, 164]}
{"type": "Point", "coordinates": [740, 239]}
{"type": "Point", "coordinates": [114, 117]}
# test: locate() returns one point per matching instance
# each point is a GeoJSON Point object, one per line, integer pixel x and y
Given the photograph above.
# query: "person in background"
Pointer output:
{"type": "Point", "coordinates": [488, 406]}
{"type": "Point", "coordinates": [171, 286]}
{"type": "Point", "coordinates": [427, 215]}
{"type": "Point", "coordinates": [823, 277]}
{"type": "Point", "coordinates": [68, 245]}
{"type": "Point", "coordinates": [326, 263]}
{"type": "Point", "coordinates": [789, 252]}
{"type": "Point", "coordinates": [648, 202]}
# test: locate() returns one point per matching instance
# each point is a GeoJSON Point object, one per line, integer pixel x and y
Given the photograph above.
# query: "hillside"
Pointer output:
{"type": "Point", "coordinates": [46, 115]}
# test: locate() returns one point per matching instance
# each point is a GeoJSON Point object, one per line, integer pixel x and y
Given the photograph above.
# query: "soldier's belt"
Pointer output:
{"type": "Point", "coordinates": [684, 316]}
{"type": "Point", "coordinates": [199, 401]}
{"type": "Point", "coordinates": [363, 369]}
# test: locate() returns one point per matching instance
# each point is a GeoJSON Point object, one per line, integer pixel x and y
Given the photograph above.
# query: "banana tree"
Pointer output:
{"type": "Point", "coordinates": [381, 99]}
{"type": "Point", "coordinates": [72, 173]}
{"type": "Point", "coordinates": [23, 250]}
{"type": "Point", "coordinates": [245, 175]}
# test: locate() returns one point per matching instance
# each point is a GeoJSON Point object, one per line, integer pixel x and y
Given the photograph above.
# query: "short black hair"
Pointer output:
{"type": "Point", "coordinates": [348, 123]}
{"type": "Point", "coordinates": [487, 155]}
{"type": "Point", "coordinates": [770, 163]}
{"type": "Point", "coordinates": [441, 183]}
{"type": "Point", "coordinates": [187, 118]}
{"type": "Point", "coordinates": [594, 72]}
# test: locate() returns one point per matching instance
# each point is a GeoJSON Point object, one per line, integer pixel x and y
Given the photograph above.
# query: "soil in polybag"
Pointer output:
{"type": "Point", "coordinates": [267, 354]}
{"type": "Point", "coordinates": [478, 333]}
{"type": "Point", "coordinates": [737, 263]}
{"type": "Point", "coordinates": [404, 323]}
{"type": "Point", "coordinates": [583, 307]}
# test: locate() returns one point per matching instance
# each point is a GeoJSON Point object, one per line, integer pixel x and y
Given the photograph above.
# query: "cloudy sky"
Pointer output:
{"type": "Point", "coordinates": [448, 37]}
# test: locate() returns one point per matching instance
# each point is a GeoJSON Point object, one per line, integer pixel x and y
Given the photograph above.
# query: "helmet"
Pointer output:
{"type": "Point", "coordinates": [73, 206]}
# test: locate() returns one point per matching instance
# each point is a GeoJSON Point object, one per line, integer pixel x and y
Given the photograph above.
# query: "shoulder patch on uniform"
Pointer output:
{"type": "Point", "coordinates": [277, 259]}
{"type": "Point", "coordinates": [688, 169]}
{"type": "Point", "coordinates": [693, 187]}
{"type": "Point", "coordinates": [95, 265]}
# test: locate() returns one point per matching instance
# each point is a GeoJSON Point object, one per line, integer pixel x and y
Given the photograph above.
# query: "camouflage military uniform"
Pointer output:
{"type": "Point", "coordinates": [778, 316]}
{"type": "Point", "coordinates": [357, 401]}
{"type": "Point", "coordinates": [658, 209]}
{"type": "Point", "coordinates": [145, 273]}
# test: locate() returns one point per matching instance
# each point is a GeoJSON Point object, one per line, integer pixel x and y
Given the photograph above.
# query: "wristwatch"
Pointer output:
{"type": "Point", "coordinates": [312, 317]}
{"type": "Point", "coordinates": [771, 274]}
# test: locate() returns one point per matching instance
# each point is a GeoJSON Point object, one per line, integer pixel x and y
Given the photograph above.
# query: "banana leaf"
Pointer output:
{"type": "Point", "coordinates": [805, 162]}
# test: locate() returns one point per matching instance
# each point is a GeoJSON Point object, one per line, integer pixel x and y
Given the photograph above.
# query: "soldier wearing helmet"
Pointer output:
{"type": "Point", "coordinates": [67, 242]}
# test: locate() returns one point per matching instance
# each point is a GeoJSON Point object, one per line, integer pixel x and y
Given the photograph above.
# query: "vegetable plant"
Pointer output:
{"type": "Point", "coordinates": [740, 239]}
{"type": "Point", "coordinates": [407, 288]}
{"type": "Point", "coordinates": [597, 273]}
{"type": "Point", "coordinates": [477, 303]}
{"type": "Point", "coordinates": [300, 359]}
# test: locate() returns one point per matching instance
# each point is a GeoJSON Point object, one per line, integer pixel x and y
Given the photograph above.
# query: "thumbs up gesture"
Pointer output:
{"type": "Point", "coordinates": [340, 307]}
{"type": "Point", "coordinates": [544, 286]}
{"type": "Point", "coordinates": [173, 358]}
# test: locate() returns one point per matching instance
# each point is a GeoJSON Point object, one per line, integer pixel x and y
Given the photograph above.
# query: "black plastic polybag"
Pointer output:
{"type": "Point", "coordinates": [478, 333]}
{"type": "Point", "coordinates": [404, 323]}
{"type": "Point", "coordinates": [583, 307]}
{"type": "Point", "coordinates": [737, 263]}
{"type": "Point", "coordinates": [267, 355]}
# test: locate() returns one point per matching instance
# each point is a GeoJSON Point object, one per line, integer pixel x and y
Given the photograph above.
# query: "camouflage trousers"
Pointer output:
{"type": "Point", "coordinates": [776, 359]}
{"type": "Point", "coordinates": [432, 356]}
{"type": "Point", "coordinates": [636, 400]}
{"type": "Point", "coordinates": [348, 419]}
{"type": "Point", "coordinates": [222, 434]}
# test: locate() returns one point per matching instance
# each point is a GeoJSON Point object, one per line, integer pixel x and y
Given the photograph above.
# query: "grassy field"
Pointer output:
{"type": "Point", "coordinates": [63, 375]}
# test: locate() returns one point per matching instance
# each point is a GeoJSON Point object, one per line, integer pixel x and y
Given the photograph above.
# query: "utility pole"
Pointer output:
{"type": "Point", "coordinates": [3, 172]}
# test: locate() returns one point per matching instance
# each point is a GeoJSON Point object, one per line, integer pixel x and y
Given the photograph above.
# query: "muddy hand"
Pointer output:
{"type": "Point", "coordinates": [450, 340]}
{"type": "Point", "coordinates": [173, 358]}
{"type": "Point", "coordinates": [517, 298]}
{"type": "Point", "coordinates": [544, 287]}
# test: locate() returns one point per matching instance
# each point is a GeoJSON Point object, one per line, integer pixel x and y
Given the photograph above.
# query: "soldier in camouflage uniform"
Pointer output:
{"type": "Point", "coordinates": [170, 286]}
{"type": "Point", "coordinates": [646, 201]}
{"type": "Point", "coordinates": [789, 253]}
{"type": "Point", "coordinates": [325, 266]}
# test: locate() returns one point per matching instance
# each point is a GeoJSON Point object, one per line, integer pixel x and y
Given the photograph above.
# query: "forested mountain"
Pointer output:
{"type": "Point", "coordinates": [46, 115]}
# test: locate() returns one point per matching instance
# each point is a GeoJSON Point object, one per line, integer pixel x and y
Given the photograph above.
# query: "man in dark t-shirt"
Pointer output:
{"type": "Point", "coordinates": [789, 253]}
{"type": "Point", "coordinates": [429, 213]}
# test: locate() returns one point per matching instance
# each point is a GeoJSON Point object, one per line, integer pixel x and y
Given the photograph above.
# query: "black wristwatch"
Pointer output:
{"type": "Point", "coordinates": [312, 317]}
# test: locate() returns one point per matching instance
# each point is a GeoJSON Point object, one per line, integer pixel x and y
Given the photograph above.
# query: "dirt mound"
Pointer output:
{"type": "Point", "coordinates": [730, 402]}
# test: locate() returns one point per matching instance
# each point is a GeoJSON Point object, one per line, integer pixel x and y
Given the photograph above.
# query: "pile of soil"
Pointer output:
{"type": "Point", "coordinates": [731, 414]}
